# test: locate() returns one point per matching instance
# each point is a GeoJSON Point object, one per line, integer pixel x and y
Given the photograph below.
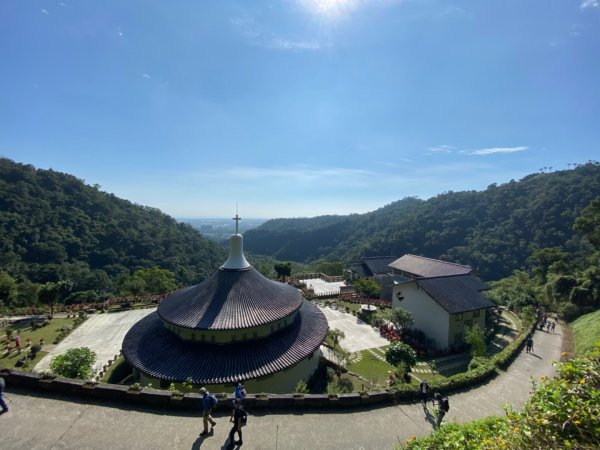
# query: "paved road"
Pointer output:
{"type": "Point", "coordinates": [55, 423]}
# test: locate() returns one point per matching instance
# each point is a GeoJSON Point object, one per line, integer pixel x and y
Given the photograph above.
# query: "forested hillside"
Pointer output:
{"type": "Point", "coordinates": [55, 227]}
{"type": "Point", "coordinates": [494, 231]}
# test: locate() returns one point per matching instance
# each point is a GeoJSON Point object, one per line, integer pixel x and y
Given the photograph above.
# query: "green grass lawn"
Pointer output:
{"type": "Point", "coordinates": [372, 368]}
{"type": "Point", "coordinates": [586, 332]}
{"type": "Point", "coordinates": [48, 333]}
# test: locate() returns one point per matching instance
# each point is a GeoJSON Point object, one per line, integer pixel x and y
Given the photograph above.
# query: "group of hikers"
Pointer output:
{"type": "Point", "coordinates": [439, 401]}
{"type": "Point", "coordinates": [238, 417]}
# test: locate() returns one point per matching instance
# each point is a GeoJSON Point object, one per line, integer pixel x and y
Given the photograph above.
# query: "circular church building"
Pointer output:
{"type": "Point", "coordinates": [237, 325]}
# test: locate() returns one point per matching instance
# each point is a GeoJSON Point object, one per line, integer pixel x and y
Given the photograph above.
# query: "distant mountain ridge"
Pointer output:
{"type": "Point", "coordinates": [494, 230]}
{"type": "Point", "coordinates": [54, 226]}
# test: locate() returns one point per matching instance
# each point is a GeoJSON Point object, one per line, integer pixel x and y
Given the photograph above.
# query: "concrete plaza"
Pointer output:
{"type": "Point", "coordinates": [101, 333]}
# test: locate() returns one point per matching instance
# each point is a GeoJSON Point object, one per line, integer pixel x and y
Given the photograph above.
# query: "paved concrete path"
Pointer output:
{"type": "Point", "coordinates": [102, 333]}
{"type": "Point", "coordinates": [35, 422]}
{"type": "Point", "coordinates": [359, 335]}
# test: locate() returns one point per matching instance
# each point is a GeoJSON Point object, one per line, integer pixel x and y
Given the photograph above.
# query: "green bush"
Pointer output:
{"type": "Point", "coordinates": [399, 351]}
{"type": "Point", "coordinates": [74, 363]}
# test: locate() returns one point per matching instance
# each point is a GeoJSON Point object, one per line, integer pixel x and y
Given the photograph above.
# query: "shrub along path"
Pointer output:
{"type": "Point", "coordinates": [36, 422]}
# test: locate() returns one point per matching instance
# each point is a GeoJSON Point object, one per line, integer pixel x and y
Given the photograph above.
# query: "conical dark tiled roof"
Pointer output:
{"type": "Point", "coordinates": [229, 300]}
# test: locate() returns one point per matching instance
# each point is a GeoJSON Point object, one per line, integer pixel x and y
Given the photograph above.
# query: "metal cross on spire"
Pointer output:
{"type": "Point", "coordinates": [237, 219]}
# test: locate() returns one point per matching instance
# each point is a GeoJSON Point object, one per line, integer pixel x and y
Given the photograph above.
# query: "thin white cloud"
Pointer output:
{"type": "Point", "coordinates": [44, 11]}
{"type": "Point", "coordinates": [590, 4]}
{"type": "Point", "coordinates": [442, 149]}
{"type": "Point", "coordinates": [63, 4]}
{"type": "Point", "coordinates": [255, 34]}
{"type": "Point", "coordinates": [119, 32]}
{"type": "Point", "coordinates": [285, 44]}
{"type": "Point", "coordinates": [146, 76]}
{"type": "Point", "coordinates": [494, 150]}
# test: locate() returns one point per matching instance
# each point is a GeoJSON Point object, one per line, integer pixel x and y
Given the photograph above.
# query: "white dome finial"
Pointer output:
{"type": "Point", "coordinates": [236, 259]}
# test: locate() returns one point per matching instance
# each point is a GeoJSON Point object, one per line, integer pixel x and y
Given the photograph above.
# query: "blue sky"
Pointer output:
{"type": "Point", "coordinates": [298, 107]}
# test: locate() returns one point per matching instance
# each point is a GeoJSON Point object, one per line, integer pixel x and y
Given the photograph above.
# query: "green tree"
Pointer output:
{"type": "Point", "coordinates": [475, 337]}
{"type": "Point", "coordinates": [50, 293]}
{"type": "Point", "coordinates": [8, 288]}
{"type": "Point", "coordinates": [283, 270]}
{"type": "Point", "coordinates": [74, 363]}
{"type": "Point", "coordinates": [588, 222]}
{"type": "Point", "coordinates": [547, 258]}
{"type": "Point", "coordinates": [334, 336]}
{"type": "Point", "coordinates": [133, 285]}
{"type": "Point", "coordinates": [399, 351]}
{"type": "Point", "coordinates": [341, 357]}
{"type": "Point", "coordinates": [331, 268]}
{"type": "Point", "coordinates": [367, 287]}
{"type": "Point", "coordinates": [401, 318]}
{"type": "Point", "coordinates": [156, 280]}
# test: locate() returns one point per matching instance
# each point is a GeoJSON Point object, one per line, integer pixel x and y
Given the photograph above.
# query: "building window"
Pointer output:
{"type": "Point", "coordinates": [254, 334]}
{"type": "Point", "coordinates": [203, 337]}
{"type": "Point", "coordinates": [193, 337]}
{"type": "Point", "coordinates": [244, 337]}
{"type": "Point", "coordinates": [476, 313]}
{"type": "Point", "coordinates": [212, 339]}
{"type": "Point", "coordinates": [459, 317]}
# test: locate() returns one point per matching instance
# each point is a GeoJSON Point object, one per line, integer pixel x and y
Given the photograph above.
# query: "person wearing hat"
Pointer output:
{"type": "Point", "coordinates": [237, 415]}
{"type": "Point", "coordinates": [208, 403]}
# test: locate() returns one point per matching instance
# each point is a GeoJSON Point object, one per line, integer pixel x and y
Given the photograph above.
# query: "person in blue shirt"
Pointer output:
{"type": "Point", "coordinates": [208, 403]}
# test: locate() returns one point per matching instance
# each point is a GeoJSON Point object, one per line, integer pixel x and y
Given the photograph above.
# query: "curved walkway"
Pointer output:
{"type": "Point", "coordinates": [36, 422]}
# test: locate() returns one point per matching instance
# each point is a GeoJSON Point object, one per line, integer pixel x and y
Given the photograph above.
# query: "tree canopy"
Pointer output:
{"type": "Point", "coordinates": [494, 231]}
{"type": "Point", "coordinates": [55, 227]}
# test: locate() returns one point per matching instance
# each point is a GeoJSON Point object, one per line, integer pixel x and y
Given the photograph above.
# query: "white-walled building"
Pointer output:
{"type": "Point", "coordinates": [442, 297]}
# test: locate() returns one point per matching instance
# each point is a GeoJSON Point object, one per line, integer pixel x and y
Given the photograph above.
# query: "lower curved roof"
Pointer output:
{"type": "Point", "coordinates": [157, 352]}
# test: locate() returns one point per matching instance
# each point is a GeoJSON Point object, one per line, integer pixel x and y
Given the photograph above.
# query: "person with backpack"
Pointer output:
{"type": "Point", "coordinates": [209, 401]}
{"type": "Point", "coordinates": [239, 418]}
{"type": "Point", "coordinates": [2, 402]}
{"type": "Point", "coordinates": [443, 406]}
{"type": "Point", "coordinates": [424, 392]}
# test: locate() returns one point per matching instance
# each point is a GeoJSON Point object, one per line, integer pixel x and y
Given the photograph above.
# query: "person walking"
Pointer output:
{"type": "Point", "coordinates": [424, 392]}
{"type": "Point", "coordinates": [443, 407]}
{"type": "Point", "coordinates": [529, 344]}
{"type": "Point", "coordinates": [209, 401]}
{"type": "Point", "coordinates": [553, 327]}
{"type": "Point", "coordinates": [2, 402]}
{"type": "Point", "coordinates": [240, 391]}
{"type": "Point", "coordinates": [237, 416]}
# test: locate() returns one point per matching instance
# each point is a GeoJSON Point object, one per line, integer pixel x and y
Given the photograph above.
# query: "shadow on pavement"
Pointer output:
{"type": "Point", "coordinates": [429, 417]}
